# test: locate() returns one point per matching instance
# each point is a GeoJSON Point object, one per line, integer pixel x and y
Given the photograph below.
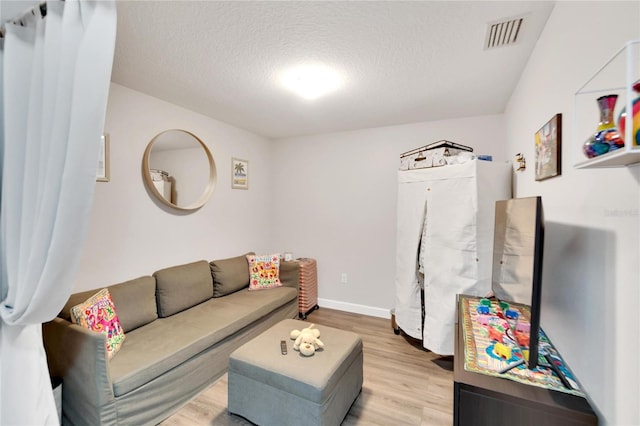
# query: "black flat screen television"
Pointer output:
{"type": "Point", "coordinates": [518, 247]}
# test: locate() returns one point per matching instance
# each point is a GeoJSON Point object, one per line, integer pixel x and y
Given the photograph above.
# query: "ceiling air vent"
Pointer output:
{"type": "Point", "coordinates": [503, 33]}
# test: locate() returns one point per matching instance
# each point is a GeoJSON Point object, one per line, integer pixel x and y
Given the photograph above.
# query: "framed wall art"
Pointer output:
{"type": "Point", "coordinates": [102, 172]}
{"type": "Point", "coordinates": [239, 174]}
{"type": "Point", "coordinates": [548, 149]}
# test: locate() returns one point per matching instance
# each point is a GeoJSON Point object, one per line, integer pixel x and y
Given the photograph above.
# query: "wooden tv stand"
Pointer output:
{"type": "Point", "coordinates": [482, 400]}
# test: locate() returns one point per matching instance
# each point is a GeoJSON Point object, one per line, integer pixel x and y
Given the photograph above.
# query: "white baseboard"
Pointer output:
{"type": "Point", "coordinates": [355, 308]}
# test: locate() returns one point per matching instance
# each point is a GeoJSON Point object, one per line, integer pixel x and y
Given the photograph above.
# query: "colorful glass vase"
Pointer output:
{"type": "Point", "coordinates": [622, 118]}
{"type": "Point", "coordinates": [607, 137]}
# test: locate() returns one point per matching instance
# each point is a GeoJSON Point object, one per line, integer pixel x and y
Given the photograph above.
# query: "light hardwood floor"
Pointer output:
{"type": "Point", "coordinates": [403, 384]}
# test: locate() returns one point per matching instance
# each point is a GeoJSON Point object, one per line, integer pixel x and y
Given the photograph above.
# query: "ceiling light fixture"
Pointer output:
{"type": "Point", "coordinates": [311, 81]}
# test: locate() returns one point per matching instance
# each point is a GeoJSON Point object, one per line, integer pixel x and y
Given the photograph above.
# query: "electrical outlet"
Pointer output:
{"type": "Point", "coordinates": [343, 278]}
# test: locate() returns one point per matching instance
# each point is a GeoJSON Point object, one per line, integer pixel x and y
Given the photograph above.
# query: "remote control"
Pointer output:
{"type": "Point", "coordinates": [283, 347]}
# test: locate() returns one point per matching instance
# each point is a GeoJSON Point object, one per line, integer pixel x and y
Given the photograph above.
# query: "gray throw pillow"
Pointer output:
{"type": "Point", "coordinates": [134, 301]}
{"type": "Point", "coordinates": [230, 275]}
{"type": "Point", "coordinates": [183, 286]}
{"type": "Point", "coordinates": [290, 274]}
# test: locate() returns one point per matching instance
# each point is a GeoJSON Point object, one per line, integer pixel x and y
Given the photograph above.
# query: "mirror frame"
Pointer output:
{"type": "Point", "coordinates": [211, 184]}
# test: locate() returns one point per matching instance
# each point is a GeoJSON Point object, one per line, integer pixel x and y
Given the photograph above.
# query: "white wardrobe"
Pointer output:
{"type": "Point", "coordinates": [444, 244]}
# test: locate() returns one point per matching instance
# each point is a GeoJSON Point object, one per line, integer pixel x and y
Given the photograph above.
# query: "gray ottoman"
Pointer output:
{"type": "Point", "coordinates": [269, 388]}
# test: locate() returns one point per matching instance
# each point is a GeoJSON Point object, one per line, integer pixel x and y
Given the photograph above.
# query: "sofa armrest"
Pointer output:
{"type": "Point", "coordinates": [290, 274]}
{"type": "Point", "coordinates": [79, 357]}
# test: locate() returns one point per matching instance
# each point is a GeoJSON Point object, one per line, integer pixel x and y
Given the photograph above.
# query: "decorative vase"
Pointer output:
{"type": "Point", "coordinates": [607, 137]}
{"type": "Point", "coordinates": [622, 118]}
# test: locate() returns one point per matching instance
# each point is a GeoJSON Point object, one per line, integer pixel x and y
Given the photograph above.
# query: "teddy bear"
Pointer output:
{"type": "Point", "coordinates": [306, 340]}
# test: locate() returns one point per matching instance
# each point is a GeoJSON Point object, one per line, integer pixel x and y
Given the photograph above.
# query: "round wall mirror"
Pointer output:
{"type": "Point", "coordinates": [179, 170]}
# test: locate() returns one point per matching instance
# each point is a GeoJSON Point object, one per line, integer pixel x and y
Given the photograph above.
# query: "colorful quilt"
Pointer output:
{"type": "Point", "coordinates": [492, 330]}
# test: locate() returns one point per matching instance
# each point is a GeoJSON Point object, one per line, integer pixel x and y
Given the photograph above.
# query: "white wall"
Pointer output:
{"type": "Point", "coordinates": [131, 234]}
{"type": "Point", "coordinates": [336, 202]}
{"type": "Point", "coordinates": [591, 273]}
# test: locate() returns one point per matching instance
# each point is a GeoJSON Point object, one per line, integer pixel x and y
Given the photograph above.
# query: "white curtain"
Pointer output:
{"type": "Point", "coordinates": [55, 83]}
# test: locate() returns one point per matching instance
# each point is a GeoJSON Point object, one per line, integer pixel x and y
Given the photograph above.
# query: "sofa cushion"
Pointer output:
{"type": "Point", "coordinates": [98, 314]}
{"type": "Point", "coordinates": [183, 286]}
{"type": "Point", "coordinates": [264, 271]}
{"type": "Point", "coordinates": [153, 350]}
{"type": "Point", "coordinates": [230, 275]}
{"type": "Point", "coordinates": [135, 302]}
{"type": "Point", "coordinates": [290, 273]}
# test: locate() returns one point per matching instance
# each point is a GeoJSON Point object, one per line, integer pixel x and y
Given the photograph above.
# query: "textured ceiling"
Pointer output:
{"type": "Point", "coordinates": [404, 61]}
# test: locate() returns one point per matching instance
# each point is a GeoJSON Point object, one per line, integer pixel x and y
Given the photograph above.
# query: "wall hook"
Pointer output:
{"type": "Point", "coordinates": [520, 162]}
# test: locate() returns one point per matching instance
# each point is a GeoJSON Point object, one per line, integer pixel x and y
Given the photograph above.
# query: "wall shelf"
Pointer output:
{"type": "Point", "coordinates": [616, 76]}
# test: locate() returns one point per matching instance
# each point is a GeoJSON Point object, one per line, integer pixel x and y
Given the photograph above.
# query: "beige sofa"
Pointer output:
{"type": "Point", "coordinates": [181, 324]}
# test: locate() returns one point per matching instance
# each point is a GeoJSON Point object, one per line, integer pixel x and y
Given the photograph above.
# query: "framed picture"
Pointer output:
{"type": "Point", "coordinates": [102, 173]}
{"type": "Point", "coordinates": [549, 149]}
{"type": "Point", "coordinates": [239, 174]}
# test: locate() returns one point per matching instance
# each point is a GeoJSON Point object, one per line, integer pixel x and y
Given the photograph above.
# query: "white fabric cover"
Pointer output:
{"type": "Point", "coordinates": [55, 85]}
{"type": "Point", "coordinates": [448, 210]}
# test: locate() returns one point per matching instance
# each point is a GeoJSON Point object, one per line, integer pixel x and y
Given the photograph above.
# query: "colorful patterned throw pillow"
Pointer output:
{"type": "Point", "coordinates": [98, 313]}
{"type": "Point", "coordinates": [264, 271]}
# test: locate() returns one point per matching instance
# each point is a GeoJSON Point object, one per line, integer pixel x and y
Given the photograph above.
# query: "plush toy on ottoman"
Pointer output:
{"type": "Point", "coordinates": [306, 340]}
